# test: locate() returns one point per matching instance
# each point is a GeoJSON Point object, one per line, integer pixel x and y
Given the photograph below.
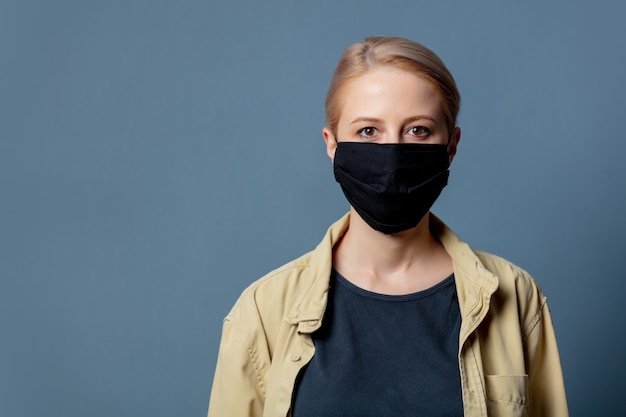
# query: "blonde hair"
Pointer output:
{"type": "Point", "coordinates": [399, 53]}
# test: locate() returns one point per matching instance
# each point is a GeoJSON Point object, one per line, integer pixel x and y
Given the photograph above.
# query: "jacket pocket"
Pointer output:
{"type": "Point", "coordinates": [507, 395]}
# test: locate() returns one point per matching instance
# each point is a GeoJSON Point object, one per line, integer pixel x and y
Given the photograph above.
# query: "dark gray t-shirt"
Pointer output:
{"type": "Point", "coordinates": [384, 355]}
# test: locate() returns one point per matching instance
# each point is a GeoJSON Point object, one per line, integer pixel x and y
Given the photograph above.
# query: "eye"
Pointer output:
{"type": "Point", "coordinates": [419, 131]}
{"type": "Point", "coordinates": [368, 132]}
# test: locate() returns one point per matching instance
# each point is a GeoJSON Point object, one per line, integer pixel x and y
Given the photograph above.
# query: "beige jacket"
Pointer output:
{"type": "Point", "coordinates": [508, 357]}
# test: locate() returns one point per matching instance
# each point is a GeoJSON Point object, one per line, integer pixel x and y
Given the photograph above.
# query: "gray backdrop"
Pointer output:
{"type": "Point", "coordinates": [158, 156]}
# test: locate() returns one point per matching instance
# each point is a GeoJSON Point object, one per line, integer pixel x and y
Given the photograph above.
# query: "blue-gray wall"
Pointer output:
{"type": "Point", "coordinates": [158, 156]}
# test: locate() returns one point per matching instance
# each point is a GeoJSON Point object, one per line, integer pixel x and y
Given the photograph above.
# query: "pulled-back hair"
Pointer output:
{"type": "Point", "coordinates": [399, 53]}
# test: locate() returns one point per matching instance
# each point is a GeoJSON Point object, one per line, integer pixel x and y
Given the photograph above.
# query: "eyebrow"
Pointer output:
{"type": "Point", "coordinates": [405, 121]}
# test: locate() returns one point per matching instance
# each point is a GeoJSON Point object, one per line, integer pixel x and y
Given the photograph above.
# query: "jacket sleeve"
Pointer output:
{"type": "Point", "coordinates": [237, 389]}
{"type": "Point", "coordinates": [546, 389]}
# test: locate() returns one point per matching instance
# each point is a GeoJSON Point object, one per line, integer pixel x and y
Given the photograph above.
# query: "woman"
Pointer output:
{"type": "Point", "coordinates": [392, 314]}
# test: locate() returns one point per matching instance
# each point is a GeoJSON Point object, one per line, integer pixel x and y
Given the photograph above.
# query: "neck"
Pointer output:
{"type": "Point", "coordinates": [390, 263]}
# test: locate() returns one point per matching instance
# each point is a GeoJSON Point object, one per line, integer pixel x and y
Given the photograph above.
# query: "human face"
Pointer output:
{"type": "Point", "coordinates": [389, 105]}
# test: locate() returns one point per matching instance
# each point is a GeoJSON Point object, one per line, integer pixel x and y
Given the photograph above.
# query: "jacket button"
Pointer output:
{"type": "Point", "coordinates": [296, 313]}
{"type": "Point", "coordinates": [295, 357]}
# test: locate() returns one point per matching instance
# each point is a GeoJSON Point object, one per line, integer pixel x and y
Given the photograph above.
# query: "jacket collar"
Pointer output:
{"type": "Point", "coordinates": [309, 307]}
{"type": "Point", "coordinates": [475, 284]}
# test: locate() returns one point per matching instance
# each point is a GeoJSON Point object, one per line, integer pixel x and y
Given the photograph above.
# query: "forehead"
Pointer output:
{"type": "Point", "coordinates": [388, 92]}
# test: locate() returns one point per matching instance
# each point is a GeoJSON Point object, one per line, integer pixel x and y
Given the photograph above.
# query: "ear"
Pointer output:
{"type": "Point", "coordinates": [455, 137]}
{"type": "Point", "coordinates": [331, 143]}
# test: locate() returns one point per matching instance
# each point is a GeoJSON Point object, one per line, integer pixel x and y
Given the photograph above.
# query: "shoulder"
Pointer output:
{"type": "Point", "coordinates": [510, 275]}
{"type": "Point", "coordinates": [292, 293]}
{"type": "Point", "coordinates": [276, 291]}
{"type": "Point", "coordinates": [264, 315]}
{"type": "Point", "coordinates": [515, 287]}
{"type": "Point", "coordinates": [503, 268]}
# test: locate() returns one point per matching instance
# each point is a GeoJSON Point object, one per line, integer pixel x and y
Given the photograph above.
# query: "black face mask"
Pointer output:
{"type": "Point", "coordinates": [391, 186]}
